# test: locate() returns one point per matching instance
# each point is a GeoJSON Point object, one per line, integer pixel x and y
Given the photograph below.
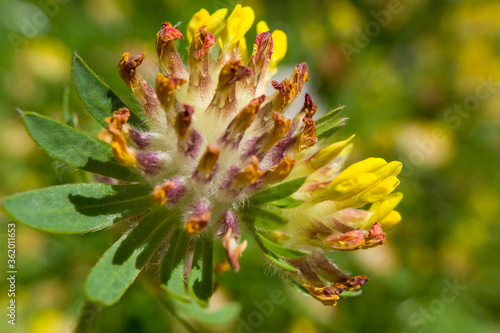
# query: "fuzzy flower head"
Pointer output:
{"type": "Point", "coordinates": [219, 156]}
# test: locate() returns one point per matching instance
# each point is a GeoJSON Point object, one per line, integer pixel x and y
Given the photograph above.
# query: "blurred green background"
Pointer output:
{"type": "Point", "coordinates": [421, 82]}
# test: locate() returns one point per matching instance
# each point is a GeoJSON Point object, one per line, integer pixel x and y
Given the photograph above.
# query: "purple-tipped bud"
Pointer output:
{"type": "Point", "coordinates": [199, 217]}
{"type": "Point", "coordinates": [207, 166]}
{"type": "Point", "coordinates": [228, 177]}
{"type": "Point", "coordinates": [141, 139]}
{"type": "Point", "coordinates": [229, 220]}
{"type": "Point", "coordinates": [278, 152]}
{"type": "Point", "coordinates": [236, 129]}
{"type": "Point", "coordinates": [189, 140]}
{"type": "Point", "coordinates": [151, 163]}
{"type": "Point", "coordinates": [232, 239]}
{"type": "Point", "coordinates": [224, 102]}
{"type": "Point", "coordinates": [171, 192]}
{"type": "Point", "coordinates": [236, 179]}
{"type": "Point", "coordinates": [178, 191]}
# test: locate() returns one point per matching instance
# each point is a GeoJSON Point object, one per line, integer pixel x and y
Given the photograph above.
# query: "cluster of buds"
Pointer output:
{"type": "Point", "coordinates": [217, 140]}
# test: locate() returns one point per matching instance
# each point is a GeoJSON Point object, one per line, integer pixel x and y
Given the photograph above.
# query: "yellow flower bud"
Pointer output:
{"type": "Point", "coordinates": [328, 154]}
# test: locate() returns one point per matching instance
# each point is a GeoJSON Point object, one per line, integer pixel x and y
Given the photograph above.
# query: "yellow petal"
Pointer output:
{"type": "Point", "coordinates": [122, 154]}
{"type": "Point", "coordinates": [390, 220]}
{"type": "Point", "coordinates": [199, 19]}
{"type": "Point", "coordinates": [352, 186]}
{"type": "Point", "coordinates": [279, 48]}
{"type": "Point", "coordinates": [215, 22]}
{"type": "Point", "coordinates": [379, 191]}
{"type": "Point", "coordinates": [391, 169]}
{"type": "Point", "coordinates": [262, 27]}
{"type": "Point", "coordinates": [242, 50]}
{"type": "Point", "coordinates": [368, 165]}
{"type": "Point", "coordinates": [237, 25]}
{"type": "Point", "coordinates": [382, 208]}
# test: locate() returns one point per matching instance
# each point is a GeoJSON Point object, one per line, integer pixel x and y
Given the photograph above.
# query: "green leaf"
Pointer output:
{"type": "Point", "coordinates": [117, 270]}
{"type": "Point", "coordinates": [201, 277]}
{"type": "Point", "coordinates": [152, 245]}
{"type": "Point", "coordinates": [76, 148]}
{"type": "Point", "coordinates": [327, 129]}
{"type": "Point", "coordinates": [95, 95]}
{"type": "Point", "coordinates": [140, 233]}
{"type": "Point", "coordinates": [264, 218]}
{"type": "Point", "coordinates": [172, 267]}
{"type": "Point", "coordinates": [279, 250]}
{"type": "Point", "coordinates": [329, 116]}
{"type": "Point", "coordinates": [77, 208]}
{"type": "Point", "coordinates": [277, 192]}
{"type": "Point", "coordinates": [287, 203]}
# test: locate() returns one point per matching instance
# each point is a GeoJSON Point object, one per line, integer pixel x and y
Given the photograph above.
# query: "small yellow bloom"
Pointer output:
{"type": "Point", "coordinates": [214, 23]}
{"type": "Point", "coordinates": [237, 25]}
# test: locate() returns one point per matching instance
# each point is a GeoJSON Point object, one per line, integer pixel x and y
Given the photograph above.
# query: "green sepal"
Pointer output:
{"type": "Point", "coordinates": [96, 96]}
{"type": "Point", "coordinates": [273, 257]}
{"type": "Point", "coordinates": [77, 208]}
{"type": "Point", "coordinates": [279, 261]}
{"type": "Point", "coordinates": [264, 218]}
{"type": "Point", "coordinates": [287, 203]}
{"type": "Point", "coordinates": [279, 250]}
{"type": "Point", "coordinates": [329, 116]}
{"type": "Point", "coordinates": [351, 293]}
{"type": "Point", "coordinates": [120, 265]}
{"type": "Point", "coordinates": [297, 286]}
{"type": "Point", "coordinates": [75, 148]}
{"type": "Point", "coordinates": [277, 192]}
{"type": "Point", "coordinates": [326, 130]}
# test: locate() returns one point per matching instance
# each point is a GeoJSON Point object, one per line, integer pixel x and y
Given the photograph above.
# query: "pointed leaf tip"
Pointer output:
{"type": "Point", "coordinates": [96, 96]}
{"type": "Point", "coordinates": [76, 148]}
{"type": "Point", "coordinates": [21, 112]}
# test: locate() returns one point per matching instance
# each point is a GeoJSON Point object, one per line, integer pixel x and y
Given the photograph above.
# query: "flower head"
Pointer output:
{"type": "Point", "coordinates": [217, 156]}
